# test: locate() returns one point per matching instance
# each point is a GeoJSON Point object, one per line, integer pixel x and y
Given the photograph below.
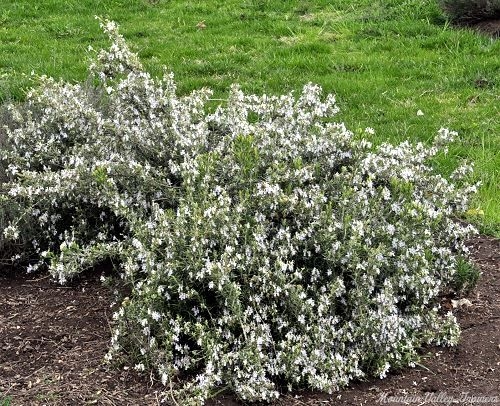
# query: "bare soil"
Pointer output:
{"type": "Point", "coordinates": [53, 340]}
{"type": "Point", "coordinates": [488, 27]}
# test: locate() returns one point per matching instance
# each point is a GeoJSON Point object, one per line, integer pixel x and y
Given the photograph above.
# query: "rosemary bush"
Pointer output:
{"type": "Point", "coordinates": [265, 245]}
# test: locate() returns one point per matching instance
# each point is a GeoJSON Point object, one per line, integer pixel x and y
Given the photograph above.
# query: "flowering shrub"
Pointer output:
{"type": "Point", "coordinates": [264, 245]}
{"type": "Point", "coordinates": [11, 240]}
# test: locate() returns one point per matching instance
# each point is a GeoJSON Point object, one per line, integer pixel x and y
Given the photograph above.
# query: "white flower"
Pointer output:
{"type": "Point", "coordinates": [11, 232]}
{"type": "Point", "coordinates": [369, 130]}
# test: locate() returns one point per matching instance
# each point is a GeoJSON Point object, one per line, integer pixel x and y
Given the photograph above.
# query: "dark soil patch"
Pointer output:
{"type": "Point", "coordinates": [52, 343]}
{"type": "Point", "coordinates": [53, 340]}
{"type": "Point", "coordinates": [488, 27]}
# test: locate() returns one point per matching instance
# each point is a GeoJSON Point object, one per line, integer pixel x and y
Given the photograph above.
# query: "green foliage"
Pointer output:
{"type": "Point", "coordinates": [471, 11]}
{"type": "Point", "coordinates": [465, 277]}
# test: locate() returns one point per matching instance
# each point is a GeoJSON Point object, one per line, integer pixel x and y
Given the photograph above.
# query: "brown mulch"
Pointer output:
{"type": "Point", "coordinates": [53, 340]}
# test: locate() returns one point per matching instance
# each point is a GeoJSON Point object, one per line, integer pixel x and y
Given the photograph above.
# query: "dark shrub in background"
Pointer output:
{"type": "Point", "coordinates": [469, 12]}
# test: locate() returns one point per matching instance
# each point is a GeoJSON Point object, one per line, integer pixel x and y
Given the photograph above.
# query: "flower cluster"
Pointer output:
{"type": "Point", "coordinates": [263, 243]}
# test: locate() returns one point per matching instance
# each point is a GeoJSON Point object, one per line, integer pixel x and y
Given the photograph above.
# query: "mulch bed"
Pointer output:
{"type": "Point", "coordinates": [53, 340]}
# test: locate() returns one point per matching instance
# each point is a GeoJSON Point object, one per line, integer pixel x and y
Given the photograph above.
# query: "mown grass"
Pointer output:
{"type": "Point", "coordinates": [385, 60]}
{"type": "Point", "coordinates": [5, 401]}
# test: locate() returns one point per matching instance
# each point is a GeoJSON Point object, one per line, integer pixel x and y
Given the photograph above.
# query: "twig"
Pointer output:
{"type": "Point", "coordinates": [424, 367]}
{"type": "Point", "coordinates": [39, 279]}
{"type": "Point", "coordinates": [34, 372]}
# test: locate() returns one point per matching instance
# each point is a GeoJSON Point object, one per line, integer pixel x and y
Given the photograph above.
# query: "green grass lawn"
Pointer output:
{"type": "Point", "coordinates": [385, 60]}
